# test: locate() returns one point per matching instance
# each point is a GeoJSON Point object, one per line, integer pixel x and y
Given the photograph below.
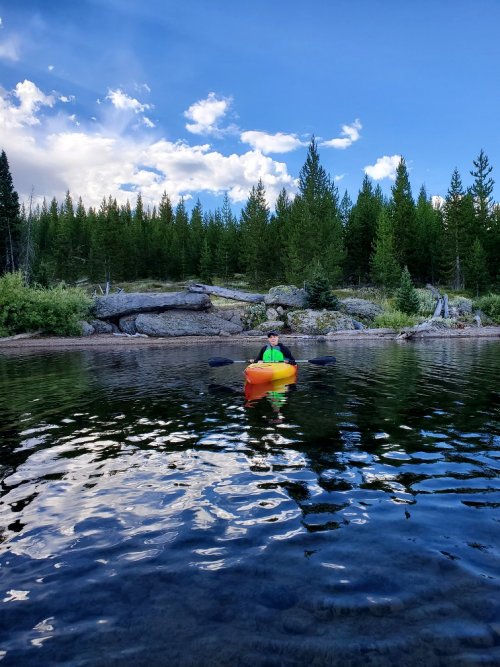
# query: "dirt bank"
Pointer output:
{"type": "Point", "coordinates": [106, 340]}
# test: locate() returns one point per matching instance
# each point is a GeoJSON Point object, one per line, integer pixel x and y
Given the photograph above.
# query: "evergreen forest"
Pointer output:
{"type": "Point", "coordinates": [369, 241]}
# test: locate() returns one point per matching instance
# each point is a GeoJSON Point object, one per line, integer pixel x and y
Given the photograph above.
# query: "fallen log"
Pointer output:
{"type": "Point", "coordinates": [235, 295]}
{"type": "Point", "coordinates": [21, 336]}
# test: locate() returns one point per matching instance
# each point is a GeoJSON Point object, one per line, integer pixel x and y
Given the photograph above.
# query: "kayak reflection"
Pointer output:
{"type": "Point", "coordinates": [274, 391]}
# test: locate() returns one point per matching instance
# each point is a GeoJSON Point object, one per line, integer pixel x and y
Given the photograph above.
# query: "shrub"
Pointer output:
{"type": "Point", "coordinates": [426, 302]}
{"type": "Point", "coordinates": [254, 315]}
{"type": "Point", "coordinates": [55, 311]}
{"type": "Point", "coordinates": [395, 319]}
{"type": "Point", "coordinates": [490, 305]}
{"type": "Point", "coordinates": [407, 297]}
{"type": "Point", "coordinates": [319, 292]}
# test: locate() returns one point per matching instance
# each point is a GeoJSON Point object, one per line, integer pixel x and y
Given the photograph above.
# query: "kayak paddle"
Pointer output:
{"type": "Point", "coordinates": [223, 361]}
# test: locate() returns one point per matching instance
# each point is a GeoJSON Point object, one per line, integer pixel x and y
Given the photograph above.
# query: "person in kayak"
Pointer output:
{"type": "Point", "coordinates": [275, 351]}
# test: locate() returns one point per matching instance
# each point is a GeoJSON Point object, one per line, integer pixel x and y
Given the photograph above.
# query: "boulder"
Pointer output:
{"type": "Point", "coordinates": [272, 314]}
{"type": "Point", "coordinates": [184, 323]}
{"type": "Point", "coordinates": [360, 308]}
{"type": "Point", "coordinates": [286, 295]}
{"type": "Point", "coordinates": [271, 325]}
{"type": "Point", "coordinates": [316, 322]}
{"type": "Point", "coordinates": [127, 324]}
{"type": "Point", "coordinates": [86, 328]}
{"type": "Point", "coordinates": [229, 314]}
{"type": "Point", "coordinates": [101, 327]}
{"type": "Point", "coordinates": [118, 305]}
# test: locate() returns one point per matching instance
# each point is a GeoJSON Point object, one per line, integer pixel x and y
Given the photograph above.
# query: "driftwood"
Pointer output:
{"type": "Point", "coordinates": [235, 295]}
{"type": "Point", "coordinates": [441, 304]}
{"type": "Point", "coordinates": [31, 334]}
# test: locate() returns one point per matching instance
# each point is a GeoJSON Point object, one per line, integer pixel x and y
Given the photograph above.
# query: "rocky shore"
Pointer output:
{"type": "Point", "coordinates": [190, 317]}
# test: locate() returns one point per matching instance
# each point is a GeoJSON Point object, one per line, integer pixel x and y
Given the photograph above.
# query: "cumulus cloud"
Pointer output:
{"type": "Point", "coordinates": [53, 156]}
{"type": "Point", "coordinates": [384, 167]}
{"type": "Point", "coordinates": [124, 102]}
{"type": "Point", "coordinates": [348, 135]}
{"type": "Point", "coordinates": [206, 114]}
{"type": "Point", "coordinates": [271, 143]}
{"type": "Point", "coordinates": [30, 99]}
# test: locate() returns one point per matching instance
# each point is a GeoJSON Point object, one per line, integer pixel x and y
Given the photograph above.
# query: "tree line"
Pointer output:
{"type": "Point", "coordinates": [368, 241]}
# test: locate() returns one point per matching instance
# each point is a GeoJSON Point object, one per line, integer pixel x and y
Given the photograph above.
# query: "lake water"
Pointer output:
{"type": "Point", "coordinates": [153, 513]}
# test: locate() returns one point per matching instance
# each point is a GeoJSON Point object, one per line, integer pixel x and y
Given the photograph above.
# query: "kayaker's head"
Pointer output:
{"type": "Point", "coordinates": [273, 337]}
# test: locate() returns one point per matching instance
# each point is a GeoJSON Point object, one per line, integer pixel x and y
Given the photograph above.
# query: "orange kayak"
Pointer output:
{"type": "Point", "coordinates": [268, 372]}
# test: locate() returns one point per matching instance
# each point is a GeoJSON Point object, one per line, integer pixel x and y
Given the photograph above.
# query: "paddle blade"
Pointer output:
{"type": "Point", "coordinates": [220, 361]}
{"type": "Point", "coordinates": [322, 361]}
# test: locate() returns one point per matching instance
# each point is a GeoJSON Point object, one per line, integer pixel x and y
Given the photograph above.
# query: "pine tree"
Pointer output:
{"type": "Point", "coordinates": [406, 296]}
{"type": "Point", "coordinates": [402, 213]}
{"type": "Point", "coordinates": [477, 271]}
{"type": "Point", "coordinates": [429, 234]}
{"type": "Point", "coordinates": [205, 267]}
{"type": "Point", "coordinates": [482, 190]}
{"type": "Point", "coordinates": [316, 231]}
{"type": "Point", "coordinates": [360, 232]}
{"type": "Point", "coordinates": [319, 291]}
{"type": "Point", "coordinates": [10, 221]}
{"type": "Point", "coordinates": [196, 238]}
{"type": "Point", "coordinates": [458, 225]}
{"type": "Point", "coordinates": [385, 269]}
{"type": "Point", "coordinates": [257, 247]}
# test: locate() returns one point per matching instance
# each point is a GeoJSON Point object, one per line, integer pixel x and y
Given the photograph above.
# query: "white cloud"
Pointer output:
{"type": "Point", "coordinates": [30, 100]}
{"type": "Point", "coordinates": [124, 102]}
{"type": "Point", "coordinates": [271, 143]}
{"type": "Point", "coordinates": [437, 201]}
{"type": "Point", "coordinates": [206, 114]}
{"type": "Point", "coordinates": [53, 157]}
{"type": "Point", "coordinates": [66, 98]}
{"type": "Point", "coordinates": [50, 68]}
{"type": "Point", "coordinates": [348, 135]}
{"type": "Point", "coordinates": [385, 167]}
{"type": "Point", "coordinates": [339, 177]}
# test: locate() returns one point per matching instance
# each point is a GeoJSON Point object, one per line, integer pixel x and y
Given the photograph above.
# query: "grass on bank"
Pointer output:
{"type": "Point", "coordinates": [56, 310]}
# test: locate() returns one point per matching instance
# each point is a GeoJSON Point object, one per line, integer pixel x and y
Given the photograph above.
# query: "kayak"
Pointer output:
{"type": "Point", "coordinates": [276, 389]}
{"type": "Point", "coordinates": [267, 372]}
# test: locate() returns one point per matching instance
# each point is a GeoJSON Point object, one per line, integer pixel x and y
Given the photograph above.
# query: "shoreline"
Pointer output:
{"type": "Point", "coordinates": [110, 340]}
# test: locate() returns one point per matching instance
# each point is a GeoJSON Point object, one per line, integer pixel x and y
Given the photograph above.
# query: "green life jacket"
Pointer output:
{"type": "Point", "coordinates": [273, 354]}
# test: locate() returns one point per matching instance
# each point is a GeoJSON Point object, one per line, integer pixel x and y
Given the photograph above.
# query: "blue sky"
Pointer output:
{"type": "Point", "coordinates": [196, 98]}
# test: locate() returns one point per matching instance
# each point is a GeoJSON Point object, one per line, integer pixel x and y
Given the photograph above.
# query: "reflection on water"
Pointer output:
{"type": "Point", "coordinates": [158, 511]}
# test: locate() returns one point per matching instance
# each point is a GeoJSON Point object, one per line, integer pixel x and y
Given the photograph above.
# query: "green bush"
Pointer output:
{"type": "Point", "coordinates": [490, 305]}
{"type": "Point", "coordinates": [319, 291]}
{"type": "Point", "coordinates": [406, 296]}
{"type": "Point", "coordinates": [395, 319]}
{"type": "Point", "coordinates": [254, 315]}
{"type": "Point", "coordinates": [24, 309]}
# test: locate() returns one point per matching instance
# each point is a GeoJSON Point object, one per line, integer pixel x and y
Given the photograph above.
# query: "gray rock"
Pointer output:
{"type": "Point", "coordinates": [87, 329]}
{"type": "Point", "coordinates": [101, 327]}
{"type": "Point", "coordinates": [286, 295]}
{"type": "Point", "coordinates": [118, 305]}
{"type": "Point", "coordinates": [272, 314]}
{"type": "Point", "coordinates": [127, 324]}
{"type": "Point", "coordinates": [360, 308]}
{"type": "Point", "coordinates": [231, 315]}
{"type": "Point", "coordinates": [184, 323]}
{"type": "Point", "coordinates": [271, 325]}
{"type": "Point", "coordinates": [316, 322]}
